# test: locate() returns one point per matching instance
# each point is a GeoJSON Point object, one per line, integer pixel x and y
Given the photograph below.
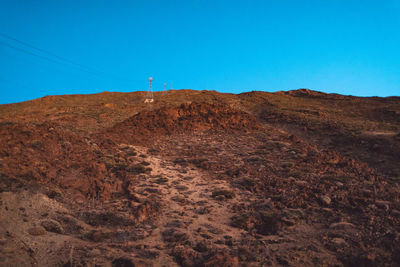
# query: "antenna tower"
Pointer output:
{"type": "Point", "coordinates": [165, 88]}
{"type": "Point", "coordinates": [149, 95]}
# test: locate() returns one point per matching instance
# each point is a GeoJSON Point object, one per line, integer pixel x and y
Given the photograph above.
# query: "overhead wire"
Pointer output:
{"type": "Point", "coordinates": [32, 54]}
{"type": "Point", "coordinates": [58, 59]}
{"type": "Point", "coordinates": [41, 50]}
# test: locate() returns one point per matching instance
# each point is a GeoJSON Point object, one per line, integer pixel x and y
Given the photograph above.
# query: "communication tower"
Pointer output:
{"type": "Point", "coordinates": [149, 95]}
{"type": "Point", "coordinates": [165, 88]}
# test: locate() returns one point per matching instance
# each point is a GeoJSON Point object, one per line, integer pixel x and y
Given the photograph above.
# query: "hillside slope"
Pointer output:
{"type": "Point", "coordinates": [200, 178]}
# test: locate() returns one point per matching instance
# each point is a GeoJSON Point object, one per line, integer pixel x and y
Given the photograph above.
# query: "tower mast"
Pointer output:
{"type": "Point", "coordinates": [149, 95]}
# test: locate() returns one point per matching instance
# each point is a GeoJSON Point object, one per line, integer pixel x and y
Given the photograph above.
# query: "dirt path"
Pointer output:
{"type": "Point", "coordinates": [190, 213]}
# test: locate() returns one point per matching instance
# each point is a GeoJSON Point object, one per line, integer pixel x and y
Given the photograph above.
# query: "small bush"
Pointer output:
{"type": "Point", "coordinates": [138, 168]}
{"type": "Point", "coordinates": [296, 174]}
{"type": "Point", "coordinates": [270, 223]}
{"type": "Point", "coordinates": [287, 165]}
{"type": "Point", "coordinates": [120, 166]}
{"type": "Point", "coordinates": [247, 183]}
{"type": "Point", "coordinates": [180, 161]}
{"type": "Point", "coordinates": [36, 143]}
{"type": "Point", "coordinates": [161, 180]}
{"type": "Point", "coordinates": [114, 165]}
{"type": "Point", "coordinates": [37, 230]}
{"type": "Point", "coordinates": [198, 162]}
{"type": "Point", "coordinates": [226, 193]}
{"type": "Point", "coordinates": [109, 163]}
{"type": "Point", "coordinates": [131, 153]}
{"type": "Point", "coordinates": [52, 226]}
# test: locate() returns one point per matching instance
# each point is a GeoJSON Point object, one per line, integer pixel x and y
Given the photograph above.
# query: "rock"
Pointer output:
{"type": "Point", "coordinates": [246, 255]}
{"type": "Point", "coordinates": [161, 180]}
{"type": "Point", "coordinates": [244, 221]}
{"type": "Point", "coordinates": [222, 260]}
{"type": "Point", "coordinates": [100, 217]}
{"type": "Point", "coordinates": [140, 246]}
{"type": "Point", "coordinates": [181, 187]}
{"type": "Point", "coordinates": [270, 223]}
{"type": "Point", "coordinates": [123, 262]}
{"type": "Point", "coordinates": [339, 241]}
{"type": "Point", "coordinates": [145, 210]}
{"type": "Point", "coordinates": [325, 200]}
{"type": "Point", "coordinates": [10, 234]}
{"type": "Point", "coordinates": [220, 198]}
{"type": "Point", "coordinates": [201, 247]}
{"type": "Point", "coordinates": [138, 168]}
{"type": "Point", "coordinates": [159, 247]}
{"type": "Point", "coordinates": [174, 224]}
{"type": "Point", "coordinates": [54, 193]}
{"type": "Point", "coordinates": [148, 254]}
{"type": "Point", "coordinates": [366, 192]}
{"type": "Point", "coordinates": [265, 223]}
{"type": "Point", "coordinates": [52, 226]}
{"type": "Point", "coordinates": [172, 235]}
{"type": "Point", "coordinates": [396, 213]}
{"type": "Point", "coordinates": [301, 183]}
{"type": "Point", "coordinates": [226, 193]}
{"type": "Point", "coordinates": [135, 197]}
{"type": "Point", "coordinates": [383, 204]}
{"type": "Point", "coordinates": [292, 216]}
{"type": "Point", "coordinates": [186, 256]}
{"type": "Point", "coordinates": [206, 236]}
{"type": "Point", "coordinates": [94, 252]}
{"type": "Point", "coordinates": [179, 199]}
{"type": "Point", "coordinates": [96, 235]}
{"type": "Point", "coordinates": [203, 210]}
{"type": "Point", "coordinates": [342, 225]}
{"type": "Point", "coordinates": [151, 190]}
{"type": "Point", "coordinates": [37, 230]}
{"type": "Point", "coordinates": [70, 224]}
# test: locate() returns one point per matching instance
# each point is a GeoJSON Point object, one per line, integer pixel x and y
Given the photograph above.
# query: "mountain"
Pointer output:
{"type": "Point", "coordinates": [200, 178]}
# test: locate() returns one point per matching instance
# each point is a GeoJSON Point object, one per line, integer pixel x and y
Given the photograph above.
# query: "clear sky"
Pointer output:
{"type": "Point", "coordinates": [341, 46]}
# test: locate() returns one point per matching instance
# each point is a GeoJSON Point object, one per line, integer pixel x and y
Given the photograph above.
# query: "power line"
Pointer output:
{"type": "Point", "coordinates": [36, 55]}
{"type": "Point", "coordinates": [60, 60]}
{"type": "Point", "coordinates": [41, 56]}
{"type": "Point", "coordinates": [30, 53]}
{"type": "Point", "coordinates": [41, 50]}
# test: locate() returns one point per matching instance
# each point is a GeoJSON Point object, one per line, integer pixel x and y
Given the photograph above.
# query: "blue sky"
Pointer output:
{"type": "Point", "coordinates": [346, 47]}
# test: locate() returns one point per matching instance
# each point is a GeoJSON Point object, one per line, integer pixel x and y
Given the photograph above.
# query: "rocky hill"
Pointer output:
{"type": "Point", "coordinates": [146, 126]}
{"type": "Point", "coordinates": [200, 178]}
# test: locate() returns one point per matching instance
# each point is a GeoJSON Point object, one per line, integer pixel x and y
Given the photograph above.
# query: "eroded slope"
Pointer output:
{"type": "Point", "coordinates": [255, 179]}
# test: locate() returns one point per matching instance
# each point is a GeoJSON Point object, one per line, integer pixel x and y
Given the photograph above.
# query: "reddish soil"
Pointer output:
{"type": "Point", "coordinates": [45, 154]}
{"type": "Point", "coordinates": [189, 117]}
{"type": "Point", "coordinates": [298, 178]}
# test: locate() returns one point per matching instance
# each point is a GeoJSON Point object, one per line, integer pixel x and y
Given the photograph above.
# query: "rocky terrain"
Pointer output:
{"type": "Point", "coordinates": [200, 178]}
